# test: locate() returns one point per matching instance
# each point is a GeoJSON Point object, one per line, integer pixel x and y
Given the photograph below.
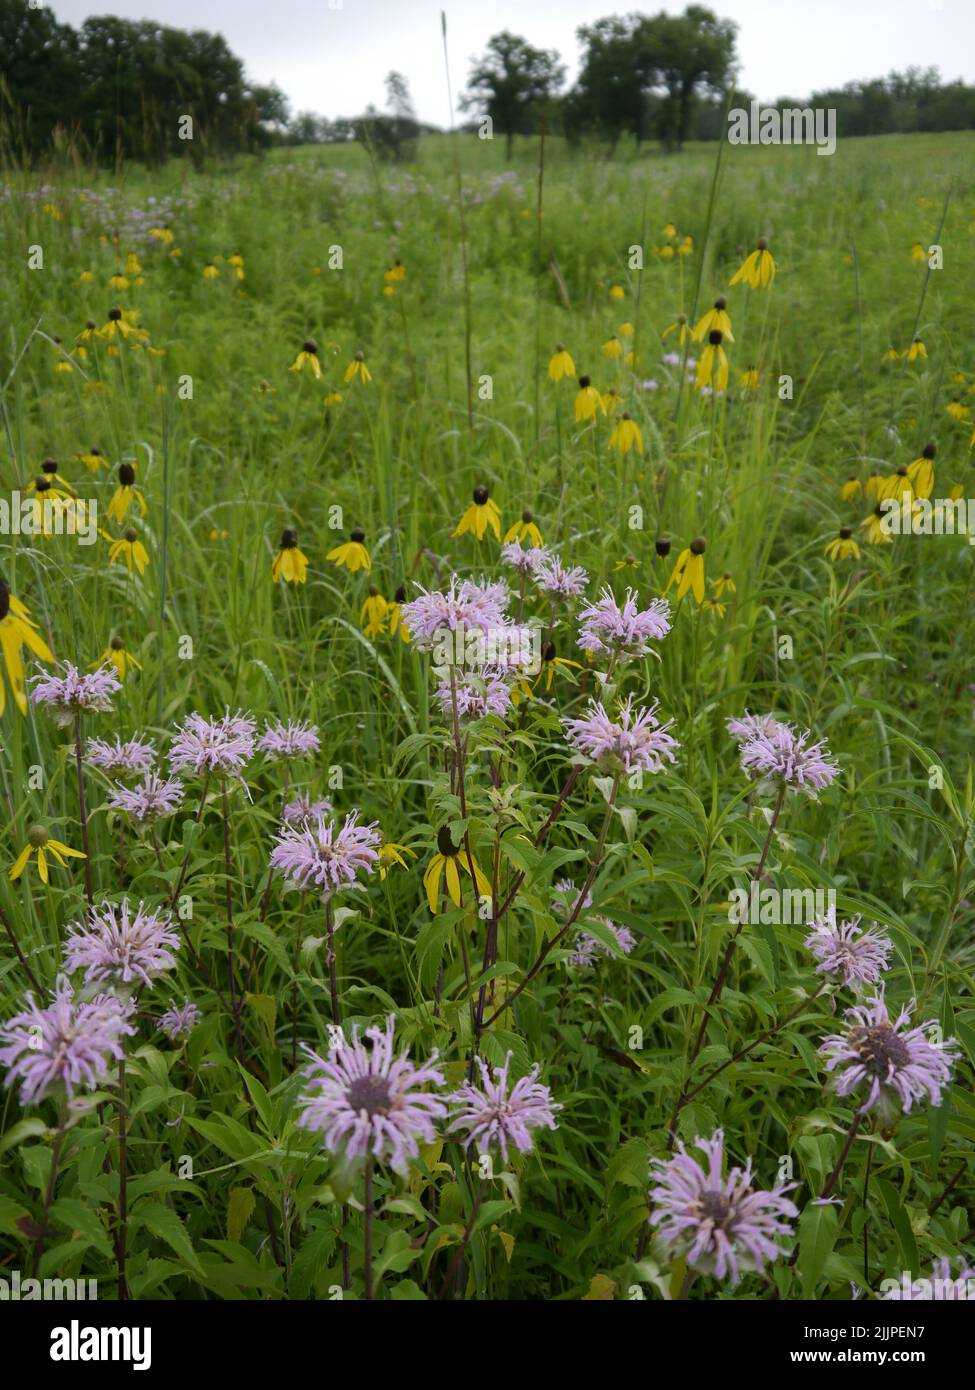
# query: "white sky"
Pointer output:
{"type": "Point", "coordinates": [334, 60]}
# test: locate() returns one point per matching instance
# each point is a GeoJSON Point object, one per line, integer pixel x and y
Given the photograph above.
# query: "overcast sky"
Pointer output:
{"type": "Point", "coordinates": [331, 56]}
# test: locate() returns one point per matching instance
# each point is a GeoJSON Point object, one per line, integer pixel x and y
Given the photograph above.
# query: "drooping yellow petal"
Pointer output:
{"type": "Point", "coordinates": [19, 864]}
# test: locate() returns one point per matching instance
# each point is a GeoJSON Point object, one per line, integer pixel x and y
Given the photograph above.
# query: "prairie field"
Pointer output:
{"type": "Point", "coordinates": [328, 384]}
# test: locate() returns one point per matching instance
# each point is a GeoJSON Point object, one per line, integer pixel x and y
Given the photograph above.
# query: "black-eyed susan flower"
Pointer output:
{"type": "Point", "coordinates": [127, 549]}
{"type": "Point", "coordinates": [117, 324]}
{"type": "Point", "coordinates": [374, 613]}
{"type": "Point", "coordinates": [758, 269]}
{"type": "Point", "coordinates": [588, 401]}
{"type": "Point", "coordinates": [394, 615]}
{"type": "Point", "coordinates": [308, 357]}
{"type": "Point", "coordinates": [917, 349]}
{"type": "Point", "coordinates": [447, 864]}
{"type": "Point", "coordinates": [116, 655]}
{"type": "Point", "coordinates": [626, 435]}
{"type": "Point", "coordinates": [290, 564]}
{"type": "Point", "coordinates": [357, 369]}
{"type": "Point", "coordinates": [93, 460]}
{"type": "Point", "coordinates": [688, 573]}
{"type": "Point", "coordinates": [920, 473]}
{"type": "Point", "coordinates": [352, 554]}
{"type": "Point", "coordinates": [481, 513]}
{"type": "Point", "coordinates": [125, 495]}
{"type": "Point", "coordinates": [712, 367]}
{"type": "Point", "coordinates": [724, 584]}
{"type": "Point", "coordinates": [39, 843]}
{"type": "Point", "coordinates": [17, 630]}
{"type": "Point", "coordinates": [679, 326]}
{"type": "Point", "coordinates": [524, 529]}
{"type": "Point", "coordinates": [715, 318]}
{"type": "Point", "coordinates": [876, 527]}
{"type": "Point", "coordinates": [613, 348]}
{"type": "Point", "coordinates": [843, 546]}
{"type": "Point", "coordinates": [210, 271]}
{"type": "Point", "coordinates": [851, 489]}
{"type": "Point", "coordinates": [560, 364]}
{"type": "Point", "coordinates": [390, 854]}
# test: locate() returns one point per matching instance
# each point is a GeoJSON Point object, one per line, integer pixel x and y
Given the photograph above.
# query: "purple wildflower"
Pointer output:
{"type": "Point", "coordinates": [318, 856]}
{"type": "Point", "coordinates": [118, 947]}
{"type": "Point", "coordinates": [303, 808]}
{"type": "Point", "coordinates": [69, 1045]}
{"type": "Point", "coordinates": [289, 740]}
{"type": "Point", "coordinates": [222, 746]}
{"type": "Point", "coordinates": [133, 756]}
{"type": "Point", "coordinates": [718, 1222]}
{"type": "Point", "coordinates": [179, 1020]}
{"type": "Point", "coordinates": [465, 605]}
{"type": "Point", "coordinates": [637, 741]}
{"type": "Point", "coordinates": [893, 1063]}
{"type": "Point", "coordinates": [524, 561]}
{"type": "Point", "coordinates": [588, 947]}
{"type": "Point", "coordinates": [150, 800]}
{"type": "Point", "coordinates": [624, 631]}
{"type": "Point", "coordinates": [747, 726]}
{"type": "Point", "coordinates": [846, 952]}
{"type": "Point", "coordinates": [552, 577]}
{"type": "Point", "coordinates": [73, 693]}
{"type": "Point", "coordinates": [786, 754]}
{"type": "Point", "coordinates": [491, 1116]}
{"type": "Point", "coordinates": [372, 1103]}
{"type": "Point", "coordinates": [477, 695]}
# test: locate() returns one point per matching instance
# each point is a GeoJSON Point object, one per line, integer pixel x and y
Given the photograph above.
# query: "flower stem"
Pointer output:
{"type": "Point", "coordinates": [465, 1238]}
{"type": "Point", "coordinates": [367, 1231]}
{"type": "Point", "coordinates": [48, 1195]}
{"type": "Point", "coordinates": [122, 1234]}
{"type": "Point", "coordinates": [19, 953]}
{"type": "Point", "coordinates": [82, 810]}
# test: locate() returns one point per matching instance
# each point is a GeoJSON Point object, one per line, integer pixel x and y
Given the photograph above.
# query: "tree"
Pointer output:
{"type": "Point", "coordinates": [512, 83]}
{"type": "Point", "coordinates": [686, 52]}
{"type": "Point", "coordinates": [403, 127]}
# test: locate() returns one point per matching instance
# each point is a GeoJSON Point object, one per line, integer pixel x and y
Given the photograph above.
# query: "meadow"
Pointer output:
{"type": "Point", "coordinates": [316, 358]}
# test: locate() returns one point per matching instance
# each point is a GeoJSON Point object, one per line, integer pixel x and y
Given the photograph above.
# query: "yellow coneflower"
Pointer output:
{"type": "Point", "coordinates": [758, 269]}
{"type": "Point", "coordinates": [712, 606]}
{"type": "Point", "coordinates": [89, 331]}
{"type": "Point", "coordinates": [617, 292]}
{"type": "Point", "coordinates": [877, 532]}
{"type": "Point", "coordinates": [264, 387]}
{"type": "Point", "coordinates": [395, 274]}
{"type": "Point", "coordinates": [289, 564]}
{"type": "Point", "coordinates": [917, 349]}
{"type": "Point", "coordinates": [715, 318]}
{"type": "Point", "coordinates": [552, 663]}
{"type": "Point", "coordinates": [86, 277]}
{"type": "Point", "coordinates": [390, 854]}
{"type": "Point", "coordinates": [394, 615]}
{"type": "Point", "coordinates": [891, 355]}
{"type": "Point", "coordinates": [524, 529]}
{"type": "Point", "coordinates": [237, 261]}
{"type": "Point", "coordinates": [333, 398]}
{"type": "Point", "coordinates": [125, 494]}
{"type": "Point", "coordinates": [748, 380]}
{"type": "Point", "coordinates": [626, 435]}
{"type": "Point", "coordinates": [49, 503]}
{"type": "Point", "coordinates": [133, 266]}
{"type": "Point", "coordinates": [629, 562]}
{"type": "Point", "coordinates": [210, 271]}
{"type": "Point", "coordinates": [669, 232]}
{"type": "Point", "coordinates": [352, 554]}
{"type": "Point", "coordinates": [712, 367]}
{"type": "Point", "coordinates": [919, 252]}
{"type": "Point", "coordinates": [843, 546]}
{"type": "Point", "coordinates": [39, 842]}
{"type": "Point", "coordinates": [374, 613]}
{"type": "Point", "coordinates": [162, 234]}
{"type": "Point", "coordinates": [481, 513]}
{"type": "Point", "coordinates": [688, 573]}
{"type": "Point", "coordinates": [17, 630]}
{"type": "Point", "coordinates": [118, 281]}
{"type": "Point", "coordinates": [588, 401]}
{"type": "Point", "coordinates": [678, 326]}
{"type": "Point", "coordinates": [117, 323]}
{"type": "Point", "coordinates": [686, 247]}
{"type": "Point", "coordinates": [921, 472]}
{"type": "Point", "coordinates": [613, 347]}
{"type": "Point", "coordinates": [959, 378]}
{"type": "Point", "coordinates": [874, 487]}
{"type": "Point", "coordinates": [958, 410]}
{"type": "Point", "coordinates": [560, 364]}
{"type": "Point", "coordinates": [116, 655]}
{"type": "Point", "coordinates": [447, 864]}
{"type": "Point", "coordinates": [357, 368]}
{"type": "Point", "coordinates": [49, 470]}
{"type": "Point", "coordinates": [127, 548]}
{"type": "Point", "coordinates": [899, 486]}
{"type": "Point", "coordinates": [308, 356]}
{"type": "Point", "coordinates": [609, 400]}
{"type": "Point", "coordinates": [666, 253]}
{"type": "Point", "coordinates": [93, 460]}
{"type": "Point", "coordinates": [626, 330]}
{"type": "Point", "coordinates": [851, 489]}
{"type": "Point", "coordinates": [724, 584]}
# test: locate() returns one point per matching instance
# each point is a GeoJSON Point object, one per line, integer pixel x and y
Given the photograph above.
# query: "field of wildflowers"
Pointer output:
{"type": "Point", "coordinates": [486, 751]}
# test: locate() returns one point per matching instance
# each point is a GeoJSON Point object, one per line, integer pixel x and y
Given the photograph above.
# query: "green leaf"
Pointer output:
{"type": "Point", "coordinates": [239, 1211]}
{"type": "Point", "coordinates": [818, 1229]}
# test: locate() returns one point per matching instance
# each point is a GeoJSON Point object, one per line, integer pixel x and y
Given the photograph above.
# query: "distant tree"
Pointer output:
{"type": "Point", "coordinates": [610, 97]}
{"type": "Point", "coordinates": [513, 83]}
{"type": "Point", "coordinates": [38, 86]}
{"type": "Point", "coordinates": [403, 127]}
{"type": "Point", "coordinates": [685, 53]}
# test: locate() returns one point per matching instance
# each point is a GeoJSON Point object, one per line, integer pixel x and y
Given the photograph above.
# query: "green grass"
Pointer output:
{"type": "Point", "coordinates": [871, 654]}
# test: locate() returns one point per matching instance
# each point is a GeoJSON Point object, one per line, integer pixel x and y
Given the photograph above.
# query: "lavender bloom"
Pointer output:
{"type": "Point", "coordinates": [524, 561]}
{"type": "Point", "coordinates": [289, 740]}
{"type": "Point", "coordinates": [940, 1287]}
{"type": "Point", "coordinates": [68, 1046]}
{"type": "Point", "coordinates": [180, 1020]}
{"type": "Point", "coordinates": [718, 1222]}
{"type": "Point", "coordinates": [319, 856]}
{"type": "Point", "coordinates": [148, 801]}
{"type": "Point", "coordinates": [745, 728]}
{"type": "Point", "coordinates": [135, 755]}
{"type": "Point", "coordinates": [491, 1116]}
{"type": "Point", "coordinates": [465, 605]}
{"type": "Point", "coordinates": [303, 808]}
{"type": "Point", "coordinates": [588, 947]}
{"type": "Point", "coordinates": [783, 753]}
{"type": "Point", "coordinates": [846, 952]}
{"type": "Point", "coordinates": [637, 742]}
{"type": "Point", "coordinates": [624, 632]}
{"type": "Point", "coordinates": [477, 695]}
{"type": "Point", "coordinates": [118, 947]}
{"type": "Point", "coordinates": [894, 1064]}
{"type": "Point", "coordinates": [552, 577]}
{"type": "Point", "coordinates": [222, 746]}
{"type": "Point", "coordinates": [73, 693]}
{"type": "Point", "coordinates": [372, 1104]}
